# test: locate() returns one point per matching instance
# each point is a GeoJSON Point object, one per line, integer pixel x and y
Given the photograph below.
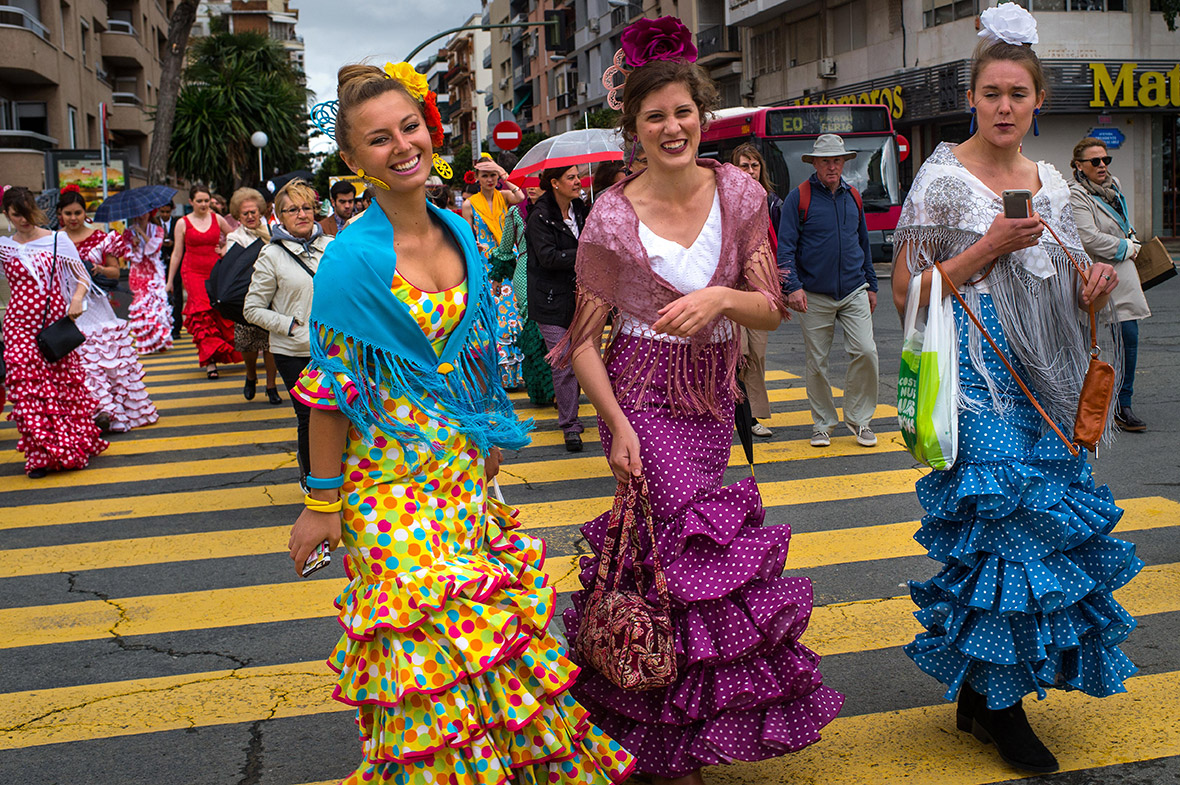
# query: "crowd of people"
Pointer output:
{"type": "Point", "coordinates": [657, 298]}
{"type": "Point", "coordinates": [399, 329]}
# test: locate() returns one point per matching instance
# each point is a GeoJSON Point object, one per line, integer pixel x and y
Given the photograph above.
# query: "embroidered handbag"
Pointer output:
{"type": "Point", "coordinates": [57, 340]}
{"type": "Point", "coordinates": [622, 635]}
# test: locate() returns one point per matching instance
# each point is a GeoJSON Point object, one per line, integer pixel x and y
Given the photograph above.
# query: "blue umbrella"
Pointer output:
{"type": "Point", "coordinates": [136, 201]}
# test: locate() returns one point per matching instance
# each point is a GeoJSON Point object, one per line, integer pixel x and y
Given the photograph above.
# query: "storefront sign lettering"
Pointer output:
{"type": "Point", "coordinates": [1124, 91]}
{"type": "Point", "coordinates": [889, 96]}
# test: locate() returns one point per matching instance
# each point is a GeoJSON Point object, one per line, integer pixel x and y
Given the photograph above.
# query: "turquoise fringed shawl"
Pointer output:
{"type": "Point", "coordinates": [388, 356]}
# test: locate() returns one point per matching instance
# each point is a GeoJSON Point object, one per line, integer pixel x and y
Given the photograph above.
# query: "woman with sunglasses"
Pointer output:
{"type": "Point", "coordinates": [1104, 224]}
{"type": "Point", "coordinates": [279, 298]}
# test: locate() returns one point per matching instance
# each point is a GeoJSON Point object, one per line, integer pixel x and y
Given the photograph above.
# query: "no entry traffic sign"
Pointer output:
{"type": "Point", "coordinates": [903, 148]}
{"type": "Point", "coordinates": [506, 135]}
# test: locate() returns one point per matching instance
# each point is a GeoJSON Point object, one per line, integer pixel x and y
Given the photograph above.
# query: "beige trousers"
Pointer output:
{"type": "Point", "coordinates": [754, 373]}
{"type": "Point", "coordinates": [860, 382]}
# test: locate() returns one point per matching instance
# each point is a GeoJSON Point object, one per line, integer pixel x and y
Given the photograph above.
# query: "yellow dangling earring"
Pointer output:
{"type": "Point", "coordinates": [442, 167]}
{"type": "Point", "coordinates": [371, 180]}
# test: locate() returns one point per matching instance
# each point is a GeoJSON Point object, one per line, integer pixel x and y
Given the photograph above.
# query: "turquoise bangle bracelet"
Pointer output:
{"type": "Point", "coordinates": [322, 484]}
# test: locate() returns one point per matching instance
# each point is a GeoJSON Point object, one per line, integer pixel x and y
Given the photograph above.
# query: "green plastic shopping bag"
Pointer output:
{"type": "Point", "coordinates": [928, 381]}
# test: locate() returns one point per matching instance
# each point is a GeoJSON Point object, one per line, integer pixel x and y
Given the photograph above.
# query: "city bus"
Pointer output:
{"type": "Point", "coordinates": [785, 133]}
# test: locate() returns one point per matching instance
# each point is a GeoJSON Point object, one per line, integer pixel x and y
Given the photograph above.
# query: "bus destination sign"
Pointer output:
{"type": "Point", "coordinates": [826, 119]}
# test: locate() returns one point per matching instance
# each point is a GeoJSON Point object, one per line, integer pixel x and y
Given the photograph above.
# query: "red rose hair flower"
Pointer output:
{"type": "Point", "coordinates": [72, 187]}
{"type": "Point", "coordinates": [469, 177]}
{"type": "Point", "coordinates": [433, 119]}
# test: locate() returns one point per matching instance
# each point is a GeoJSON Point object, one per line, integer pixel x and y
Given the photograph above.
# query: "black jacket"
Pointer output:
{"type": "Point", "coordinates": [552, 252]}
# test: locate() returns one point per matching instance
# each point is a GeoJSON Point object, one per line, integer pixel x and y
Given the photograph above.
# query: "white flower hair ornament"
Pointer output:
{"type": "Point", "coordinates": [1009, 23]}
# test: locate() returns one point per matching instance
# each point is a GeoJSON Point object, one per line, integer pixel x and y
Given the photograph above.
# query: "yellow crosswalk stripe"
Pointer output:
{"type": "Point", "coordinates": [808, 549]}
{"type": "Point", "coordinates": [557, 513]}
{"type": "Point", "coordinates": [511, 474]}
{"type": "Point", "coordinates": [169, 444]}
{"type": "Point", "coordinates": [156, 471]}
{"type": "Point", "coordinates": [839, 628]}
{"type": "Point", "coordinates": [151, 705]}
{"type": "Point", "coordinates": [233, 416]}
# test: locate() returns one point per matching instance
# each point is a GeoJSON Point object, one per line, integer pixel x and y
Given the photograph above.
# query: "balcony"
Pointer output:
{"type": "Point", "coordinates": [123, 49]}
{"type": "Point", "coordinates": [718, 44]}
{"type": "Point", "coordinates": [126, 115]}
{"type": "Point", "coordinates": [26, 140]}
{"type": "Point", "coordinates": [29, 59]}
{"type": "Point", "coordinates": [11, 16]}
{"type": "Point", "coordinates": [567, 101]}
{"type": "Point", "coordinates": [120, 26]}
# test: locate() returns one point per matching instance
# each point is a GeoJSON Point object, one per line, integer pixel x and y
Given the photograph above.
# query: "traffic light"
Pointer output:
{"type": "Point", "coordinates": [555, 32]}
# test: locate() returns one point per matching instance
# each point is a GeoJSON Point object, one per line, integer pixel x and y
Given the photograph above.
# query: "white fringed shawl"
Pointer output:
{"type": "Point", "coordinates": [1035, 291]}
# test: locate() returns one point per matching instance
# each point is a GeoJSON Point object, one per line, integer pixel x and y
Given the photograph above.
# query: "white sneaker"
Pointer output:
{"type": "Point", "coordinates": [864, 435]}
{"type": "Point", "coordinates": [820, 439]}
{"type": "Point", "coordinates": [758, 429]}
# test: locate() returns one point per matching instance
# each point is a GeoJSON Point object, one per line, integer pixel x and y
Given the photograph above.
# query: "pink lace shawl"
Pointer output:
{"type": "Point", "coordinates": [614, 274]}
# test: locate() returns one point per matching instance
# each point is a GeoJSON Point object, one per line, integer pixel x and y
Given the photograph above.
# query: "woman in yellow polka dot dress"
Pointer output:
{"type": "Point", "coordinates": [445, 651]}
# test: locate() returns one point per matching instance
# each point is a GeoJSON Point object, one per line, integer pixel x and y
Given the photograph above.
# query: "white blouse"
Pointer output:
{"type": "Point", "coordinates": [686, 269]}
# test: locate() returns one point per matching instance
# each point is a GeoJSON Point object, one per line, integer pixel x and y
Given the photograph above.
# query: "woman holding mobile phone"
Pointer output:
{"type": "Point", "coordinates": [1023, 603]}
{"type": "Point", "coordinates": [446, 651]}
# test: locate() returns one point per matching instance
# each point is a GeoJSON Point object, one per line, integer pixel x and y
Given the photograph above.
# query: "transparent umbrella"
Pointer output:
{"type": "Point", "coordinates": [573, 148]}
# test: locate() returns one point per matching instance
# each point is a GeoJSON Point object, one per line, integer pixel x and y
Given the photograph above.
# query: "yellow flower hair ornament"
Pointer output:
{"type": "Point", "coordinates": [415, 83]}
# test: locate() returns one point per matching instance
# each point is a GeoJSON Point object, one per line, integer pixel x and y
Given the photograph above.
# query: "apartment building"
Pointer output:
{"type": "Point", "coordinates": [1112, 68]}
{"type": "Point", "coordinates": [59, 61]}
{"type": "Point", "coordinates": [467, 82]}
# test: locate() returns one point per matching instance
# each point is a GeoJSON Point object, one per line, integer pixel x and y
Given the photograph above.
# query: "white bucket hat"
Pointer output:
{"type": "Point", "coordinates": [828, 146]}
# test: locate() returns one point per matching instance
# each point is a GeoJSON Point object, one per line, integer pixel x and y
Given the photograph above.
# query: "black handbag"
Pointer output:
{"type": "Point", "coordinates": [102, 282]}
{"type": "Point", "coordinates": [57, 340]}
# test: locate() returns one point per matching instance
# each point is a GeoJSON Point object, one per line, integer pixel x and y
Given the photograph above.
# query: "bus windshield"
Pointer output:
{"type": "Point", "coordinates": [873, 172]}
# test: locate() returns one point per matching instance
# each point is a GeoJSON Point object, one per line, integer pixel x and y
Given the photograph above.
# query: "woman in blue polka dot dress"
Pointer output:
{"type": "Point", "coordinates": [1023, 602]}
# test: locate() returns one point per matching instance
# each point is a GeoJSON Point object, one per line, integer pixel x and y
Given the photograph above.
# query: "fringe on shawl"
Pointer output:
{"type": "Point", "coordinates": [703, 374]}
{"type": "Point", "coordinates": [468, 399]}
{"type": "Point", "coordinates": [1046, 330]}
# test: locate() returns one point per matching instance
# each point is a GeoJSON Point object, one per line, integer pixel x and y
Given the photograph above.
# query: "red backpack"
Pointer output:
{"type": "Point", "coordinates": [805, 199]}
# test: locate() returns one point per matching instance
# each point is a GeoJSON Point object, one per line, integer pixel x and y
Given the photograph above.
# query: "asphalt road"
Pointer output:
{"type": "Point", "coordinates": [153, 631]}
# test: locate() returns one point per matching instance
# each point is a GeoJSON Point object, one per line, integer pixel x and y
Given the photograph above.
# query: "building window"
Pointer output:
{"type": "Point", "coordinates": [1080, 5]}
{"type": "Point", "coordinates": [766, 51]}
{"type": "Point", "coordinates": [32, 116]}
{"type": "Point", "coordinates": [91, 130]}
{"type": "Point", "coordinates": [83, 39]}
{"type": "Point", "coordinates": [849, 26]}
{"type": "Point", "coordinates": [72, 126]}
{"type": "Point", "coordinates": [803, 39]}
{"type": "Point", "coordinates": [939, 12]}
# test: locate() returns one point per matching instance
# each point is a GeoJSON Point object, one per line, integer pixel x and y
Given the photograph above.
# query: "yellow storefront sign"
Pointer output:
{"type": "Point", "coordinates": [1125, 91]}
{"type": "Point", "coordinates": [889, 96]}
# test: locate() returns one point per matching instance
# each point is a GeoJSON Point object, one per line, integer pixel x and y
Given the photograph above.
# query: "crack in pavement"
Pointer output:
{"type": "Point", "coordinates": [118, 640]}
{"type": "Point", "coordinates": [519, 478]}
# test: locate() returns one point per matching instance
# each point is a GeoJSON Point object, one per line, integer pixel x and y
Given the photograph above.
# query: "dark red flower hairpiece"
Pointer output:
{"type": "Point", "coordinates": [469, 177]}
{"type": "Point", "coordinates": [74, 187]}
{"type": "Point", "coordinates": [648, 40]}
{"type": "Point", "coordinates": [433, 119]}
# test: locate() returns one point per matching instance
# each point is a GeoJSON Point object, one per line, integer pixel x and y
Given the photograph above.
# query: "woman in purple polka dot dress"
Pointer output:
{"type": "Point", "coordinates": [679, 254]}
{"type": "Point", "coordinates": [1023, 602]}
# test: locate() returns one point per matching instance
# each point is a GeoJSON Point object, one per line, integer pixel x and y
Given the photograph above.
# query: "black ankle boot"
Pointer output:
{"type": "Point", "coordinates": [1007, 728]}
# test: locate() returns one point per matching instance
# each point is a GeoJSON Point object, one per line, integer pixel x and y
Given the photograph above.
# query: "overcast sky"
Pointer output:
{"type": "Point", "coordinates": [336, 32]}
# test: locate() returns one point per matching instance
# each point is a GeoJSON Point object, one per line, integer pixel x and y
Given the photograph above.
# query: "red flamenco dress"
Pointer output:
{"type": "Point", "coordinates": [212, 334]}
{"type": "Point", "coordinates": [51, 407]}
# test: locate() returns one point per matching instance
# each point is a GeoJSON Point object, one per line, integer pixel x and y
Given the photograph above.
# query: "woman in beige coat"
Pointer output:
{"type": "Point", "coordinates": [279, 299]}
{"type": "Point", "coordinates": [1104, 224]}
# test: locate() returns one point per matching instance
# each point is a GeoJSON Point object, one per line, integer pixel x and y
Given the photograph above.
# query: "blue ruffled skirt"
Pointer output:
{"type": "Point", "coordinates": [1023, 602]}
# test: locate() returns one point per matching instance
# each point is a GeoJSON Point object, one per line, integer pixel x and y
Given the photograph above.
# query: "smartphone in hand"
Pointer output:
{"type": "Point", "coordinates": [321, 557]}
{"type": "Point", "coordinates": [1017, 203]}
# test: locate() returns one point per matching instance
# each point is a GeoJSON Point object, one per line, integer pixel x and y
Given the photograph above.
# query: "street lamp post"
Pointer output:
{"type": "Point", "coordinates": [259, 140]}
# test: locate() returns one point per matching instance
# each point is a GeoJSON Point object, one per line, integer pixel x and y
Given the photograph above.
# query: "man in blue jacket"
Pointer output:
{"type": "Point", "coordinates": [827, 265]}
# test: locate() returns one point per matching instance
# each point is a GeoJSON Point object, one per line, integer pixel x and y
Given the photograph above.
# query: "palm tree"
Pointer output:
{"type": "Point", "coordinates": [236, 84]}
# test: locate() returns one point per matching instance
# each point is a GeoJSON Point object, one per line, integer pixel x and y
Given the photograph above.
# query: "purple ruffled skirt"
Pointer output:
{"type": "Point", "coordinates": [747, 689]}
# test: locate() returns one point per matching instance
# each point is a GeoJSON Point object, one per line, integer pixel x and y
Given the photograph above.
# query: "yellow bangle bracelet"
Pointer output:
{"type": "Point", "coordinates": [318, 505]}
